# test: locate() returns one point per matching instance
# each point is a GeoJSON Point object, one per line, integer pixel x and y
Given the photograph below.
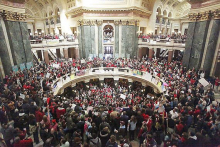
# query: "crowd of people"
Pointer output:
{"type": "Point", "coordinates": [178, 38]}
{"type": "Point", "coordinates": [185, 115]}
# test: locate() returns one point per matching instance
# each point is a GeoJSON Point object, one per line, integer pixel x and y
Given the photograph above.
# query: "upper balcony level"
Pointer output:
{"type": "Point", "coordinates": [171, 44]}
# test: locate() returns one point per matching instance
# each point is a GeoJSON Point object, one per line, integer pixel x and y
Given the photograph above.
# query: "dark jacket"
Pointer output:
{"type": "Point", "coordinates": [104, 136]}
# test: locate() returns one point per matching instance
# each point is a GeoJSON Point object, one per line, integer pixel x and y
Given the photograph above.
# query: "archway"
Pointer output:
{"type": "Point", "coordinates": [108, 39]}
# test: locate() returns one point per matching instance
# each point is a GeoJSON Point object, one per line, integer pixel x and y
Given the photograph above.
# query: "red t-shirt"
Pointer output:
{"type": "Point", "coordinates": [24, 143]}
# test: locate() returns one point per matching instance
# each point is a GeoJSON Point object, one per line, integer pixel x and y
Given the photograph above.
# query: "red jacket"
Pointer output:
{"type": "Point", "coordinates": [39, 116]}
{"type": "Point", "coordinates": [24, 143]}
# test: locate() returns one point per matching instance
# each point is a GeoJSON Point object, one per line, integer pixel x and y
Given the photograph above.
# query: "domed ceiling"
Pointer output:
{"type": "Point", "coordinates": [42, 8]}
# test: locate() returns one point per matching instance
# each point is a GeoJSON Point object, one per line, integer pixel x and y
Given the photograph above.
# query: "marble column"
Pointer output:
{"type": "Point", "coordinates": [76, 52]}
{"type": "Point", "coordinates": [65, 52]}
{"type": "Point", "coordinates": [215, 69]}
{"type": "Point", "coordinates": [2, 73]}
{"type": "Point", "coordinates": [210, 46]}
{"type": "Point", "coordinates": [170, 56]}
{"type": "Point", "coordinates": [5, 49]}
{"type": "Point", "coordinates": [46, 57]}
{"type": "Point", "coordinates": [151, 53]}
{"type": "Point", "coordinates": [158, 53]}
{"type": "Point", "coordinates": [100, 40]}
{"type": "Point", "coordinates": [195, 44]}
{"type": "Point", "coordinates": [120, 40]}
{"type": "Point", "coordinates": [96, 40]}
{"type": "Point", "coordinates": [19, 41]}
{"type": "Point", "coordinates": [116, 52]}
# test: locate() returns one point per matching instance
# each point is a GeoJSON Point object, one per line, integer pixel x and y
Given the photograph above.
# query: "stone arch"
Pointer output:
{"type": "Point", "coordinates": [159, 11]}
{"type": "Point", "coordinates": [165, 13]}
{"type": "Point", "coordinates": [170, 15]}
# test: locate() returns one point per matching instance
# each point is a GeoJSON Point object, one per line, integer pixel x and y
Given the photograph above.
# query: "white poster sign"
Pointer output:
{"type": "Point", "coordinates": [203, 82]}
{"type": "Point", "coordinates": [123, 96]}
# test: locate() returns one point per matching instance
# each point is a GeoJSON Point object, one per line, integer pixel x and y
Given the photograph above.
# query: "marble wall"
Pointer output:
{"type": "Point", "coordinates": [188, 45]}
{"type": "Point", "coordinates": [100, 39]}
{"type": "Point", "coordinates": [195, 44]}
{"type": "Point", "coordinates": [129, 42]}
{"type": "Point", "coordinates": [213, 39]}
{"type": "Point", "coordinates": [19, 42]}
{"type": "Point", "coordinates": [4, 54]}
{"type": "Point", "coordinates": [87, 41]}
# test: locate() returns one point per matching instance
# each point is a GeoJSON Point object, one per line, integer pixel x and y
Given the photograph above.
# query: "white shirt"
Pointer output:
{"type": "Point", "coordinates": [132, 125]}
{"type": "Point", "coordinates": [174, 114]}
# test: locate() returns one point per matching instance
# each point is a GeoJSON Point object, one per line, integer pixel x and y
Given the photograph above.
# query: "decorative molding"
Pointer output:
{"type": "Point", "coordinates": [76, 11]}
{"type": "Point", "coordinates": [14, 16]}
{"type": "Point", "coordinates": [127, 22]}
{"type": "Point", "coordinates": [89, 22]}
{"type": "Point", "coordinates": [207, 15]}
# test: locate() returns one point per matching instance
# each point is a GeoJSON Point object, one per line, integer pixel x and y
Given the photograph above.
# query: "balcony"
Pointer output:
{"type": "Point", "coordinates": [54, 43]}
{"type": "Point", "coordinates": [172, 44]}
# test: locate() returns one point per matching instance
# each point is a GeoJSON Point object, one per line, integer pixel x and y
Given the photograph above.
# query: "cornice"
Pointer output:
{"type": "Point", "coordinates": [137, 10]}
{"type": "Point", "coordinates": [91, 22]}
{"type": "Point", "coordinates": [13, 16]}
{"type": "Point", "coordinates": [207, 15]}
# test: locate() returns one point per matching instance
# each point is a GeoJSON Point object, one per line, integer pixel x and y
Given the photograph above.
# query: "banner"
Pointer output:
{"type": "Point", "coordinates": [203, 82]}
{"type": "Point", "coordinates": [123, 96]}
{"type": "Point", "coordinates": [56, 65]}
{"type": "Point", "coordinates": [80, 73]}
{"type": "Point", "coordinates": [134, 72]}
{"type": "Point", "coordinates": [29, 65]}
{"type": "Point", "coordinates": [22, 66]}
{"type": "Point", "coordinates": [15, 68]}
{"type": "Point", "coordinates": [72, 76]}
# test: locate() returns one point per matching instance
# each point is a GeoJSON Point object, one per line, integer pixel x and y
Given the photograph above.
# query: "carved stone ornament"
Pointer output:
{"type": "Point", "coordinates": [89, 22]}
{"type": "Point", "coordinates": [127, 22]}
{"type": "Point", "coordinates": [14, 16]}
{"type": "Point", "coordinates": [205, 15]}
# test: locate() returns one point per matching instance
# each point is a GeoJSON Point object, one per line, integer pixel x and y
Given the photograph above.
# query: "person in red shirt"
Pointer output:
{"type": "Point", "coordinates": [23, 143]}
{"type": "Point", "coordinates": [179, 128]}
{"type": "Point", "coordinates": [217, 82]}
{"type": "Point", "coordinates": [39, 115]}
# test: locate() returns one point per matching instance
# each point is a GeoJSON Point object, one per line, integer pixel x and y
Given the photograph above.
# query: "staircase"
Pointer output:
{"type": "Point", "coordinates": [35, 57]}
{"type": "Point", "coordinates": [164, 53]}
{"type": "Point", "coordinates": [52, 55]}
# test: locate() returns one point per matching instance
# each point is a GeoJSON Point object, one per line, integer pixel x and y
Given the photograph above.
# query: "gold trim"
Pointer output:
{"type": "Point", "coordinates": [14, 16]}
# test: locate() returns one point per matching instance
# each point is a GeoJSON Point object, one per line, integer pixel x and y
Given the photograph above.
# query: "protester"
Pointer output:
{"type": "Point", "coordinates": [89, 114]}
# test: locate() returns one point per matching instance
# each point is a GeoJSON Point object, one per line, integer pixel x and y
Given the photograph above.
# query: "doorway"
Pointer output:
{"type": "Point", "coordinates": [108, 52]}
